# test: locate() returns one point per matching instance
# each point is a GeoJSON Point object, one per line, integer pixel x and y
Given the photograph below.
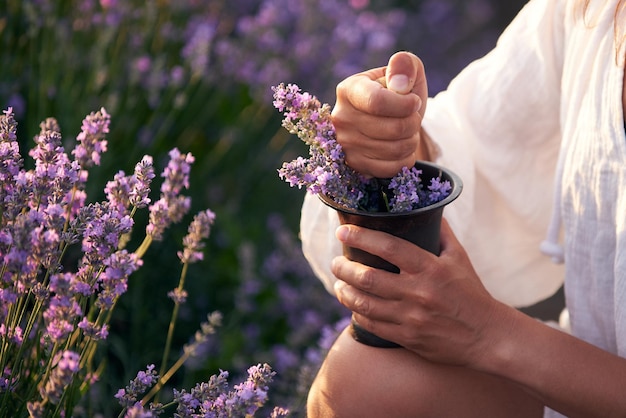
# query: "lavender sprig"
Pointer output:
{"type": "Point", "coordinates": [214, 399]}
{"type": "Point", "coordinates": [325, 171]}
{"type": "Point", "coordinates": [144, 380]}
{"type": "Point", "coordinates": [199, 229]}
{"type": "Point", "coordinates": [172, 206]}
{"type": "Point", "coordinates": [11, 161]}
{"type": "Point", "coordinates": [91, 139]}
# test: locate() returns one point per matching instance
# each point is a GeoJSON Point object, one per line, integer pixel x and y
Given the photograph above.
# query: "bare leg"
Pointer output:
{"type": "Point", "coordinates": [360, 381]}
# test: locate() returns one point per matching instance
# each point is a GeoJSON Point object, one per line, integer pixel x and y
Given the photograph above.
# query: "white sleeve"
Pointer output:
{"type": "Point", "coordinates": [498, 127]}
{"type": "Point", "coordinates": [317, 232]}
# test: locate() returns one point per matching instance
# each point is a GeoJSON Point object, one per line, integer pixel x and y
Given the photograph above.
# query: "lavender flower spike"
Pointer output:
{"type": "Point", "coordinates": [10, 159]}
{"type": "Point", "coordinates": [176, 173]}
{"type": "Point", "coordinates": [325, 171]}
{"type": "Point", "coordinates": [144, 173]}
{"type": "Point", "coordinates": [171, 207]}
{"type": "Point", "coordinates": [128, 396]}
{"type": "Point", "coordinates": [66, 367]}
{"type": "Point", "coordinates": [91, 139]}
{"type": "Point", "coordinates": [199, 229]}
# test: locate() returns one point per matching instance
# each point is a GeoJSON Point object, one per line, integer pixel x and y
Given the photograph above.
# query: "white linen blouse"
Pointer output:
{"type": "Point", "coordinates": [536, 131]}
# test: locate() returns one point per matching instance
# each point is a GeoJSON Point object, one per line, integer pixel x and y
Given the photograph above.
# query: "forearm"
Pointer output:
{"type": "Point", "coordinates": [566, 373]}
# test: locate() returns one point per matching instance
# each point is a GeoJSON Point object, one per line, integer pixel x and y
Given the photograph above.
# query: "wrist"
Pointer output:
{"type": "Point", "coordinates": [499, 339]}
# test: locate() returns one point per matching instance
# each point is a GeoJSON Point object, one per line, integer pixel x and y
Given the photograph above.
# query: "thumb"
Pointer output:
{"type": "Point", "coordinates": [405, 74]}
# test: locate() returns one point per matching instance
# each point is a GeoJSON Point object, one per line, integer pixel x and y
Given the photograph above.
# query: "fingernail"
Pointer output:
{"type": "Point", "coordinates": [399, 83]}
{"type": "Point", "coordinates": [418, 105]}
{"type": "Point", "coordinates": [341, 232]}
{"type": "Point", "coordinates": [338, 286]}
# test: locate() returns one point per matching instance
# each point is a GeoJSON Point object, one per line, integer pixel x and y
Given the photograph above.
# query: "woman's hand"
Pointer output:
{"type": "Point", "coordinates": [377, 126]}
{"type": "Point", "coordinates": [436, 306]}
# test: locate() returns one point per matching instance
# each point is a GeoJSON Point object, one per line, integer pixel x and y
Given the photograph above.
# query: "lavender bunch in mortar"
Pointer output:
{"type": "Point", "coordinates": [326, 171]}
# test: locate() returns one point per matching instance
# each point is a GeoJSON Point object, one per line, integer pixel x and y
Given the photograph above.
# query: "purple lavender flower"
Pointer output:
{"type": "Point", "coordinates": [128, 396]}
{"type": "Point", "coordinates": [409, 193]}
{"type": "Point", "coordinates": [138, 411]}
{"type": "Point", "coordinates": [201, 395]}
{"type": "Point", "coordinates": [279, 411]}
{"type": "Point", "coordinates": [248, 396]}
{"type": "Point", "coordinates": [54, 174]}
{"type": "Point", "coordinates": [144, 173]}
{"type": "Point", "coordinates": [67, 365]}
{"type": "Point", "coordinates": [91, 139]}
{"type": "Point", "coordinates": [102, 234]}
{"type": "Point", "coordinates": [113, 280]}
{"type": "Point", "coordinates": [199, 229]}
{"type": "Point", "coordinates": [125, 191]}
{"type": "Point", "coordinates": [317, 42]}
{"type": "Point", "coordinates": [171, 207]}
{"type": "Point", "coordinates": [176, 173]}
{"type": "Point", "coordinates": [42, 214]}
{"type": "Point", "coordinates": [325, 171]}
{"type": "Point", "coordinates": [198, 47]}
{"type": "Point", "coordinates": [405, 190]}
{"type": "Point", "coordinates": [201, 337]}
{"type": "Point", "coordinates": [179, 296]}
{"type": "Point", "coordinates": [20, 261]}
{"type": "Point", "coordinates": [15, 335]}
{"type": "Point", "coordinates": [438, 190]}
{"type": "Point", "coordinates": [92, 330]}
{"type": "Point", "coordinates": [60, 316]}
{"type": "Point", "coordinates": [118, 191]}
{"type": "Point", "coordinates": [49, 252]}
{"type": "Point", "coordinates": [11, 161]}
{"type": "Point", "coordinates": [6, 381]}
{"type": "Point", "coordinates": [213, 399]}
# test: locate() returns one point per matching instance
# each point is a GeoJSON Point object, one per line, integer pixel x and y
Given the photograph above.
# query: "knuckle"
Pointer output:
{"type": "Point", "coordinates": [338, 116]}
{"type": "Point", "coordinates": [373, 104]}
{"type": "Point", "coordinates": [389, 247]}
{"type": "Point", "coordinates": [361, 305]}
{"type": "Point", "coordinates": [405, 149]}
{"type": "Point", "coordinates": [416, 319]}
{"type": "Point", "coordinates": [404, 127]}
{"type": "Point", "coordinates": [376, 102]}
{"type": "Point", "coordinates": [343, 87]}
{"type": "Point", "coordinates": [370, 325]}
{"type": "Point", "coordinates": [429, 301]}
{"type": "Point", "coordinates": [366, 279]}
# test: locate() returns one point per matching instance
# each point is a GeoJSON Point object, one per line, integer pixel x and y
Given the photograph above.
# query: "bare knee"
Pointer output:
{"type": "Point", "coordinates": [360, 381]}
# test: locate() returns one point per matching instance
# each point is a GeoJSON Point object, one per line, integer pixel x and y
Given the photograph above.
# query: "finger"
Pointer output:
{"type": "Point", "coordinates": [388, 330]}
{"type": "Point", "coordinates": [405, 74]}
{"type": "Point", "coordinates": [386, 163]}
{"type": "Point", "coordinates": [389, 145]}
{"type": "Point", "coordinates": [381, 145]}
{"type": "Point", "coordinates": [365, 304]}
{"type": "Point", "coordinates": [401, 72]}
{"type": "Point", "coordinates": [379, 283]}
{"type": "Point", "coordinates": [375, 126]}
{"type": "Point", "coordinates": [393, 130]}
{"type": "Point", "coordinates": [406, 256]}
{"type": "Point", "coordinates": [369, 96]}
